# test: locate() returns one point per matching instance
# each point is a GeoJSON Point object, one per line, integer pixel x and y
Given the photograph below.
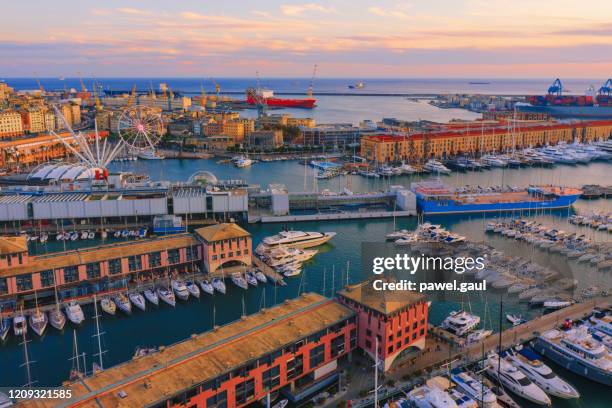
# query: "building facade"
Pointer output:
{"type": "Point", "coordinates": [10, 124]}
{"type": "Point", "coordinates": [224, 245]}
{"type": "Point", "coordinates": [334, 135]}
{"type": "Point", "coordinates": [457, 141]}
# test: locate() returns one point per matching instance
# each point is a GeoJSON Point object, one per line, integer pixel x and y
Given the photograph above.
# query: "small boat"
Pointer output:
{"type": "Point", "coordinates": [20, 325]}
{"type": "Point", "coordinates": [166, 296]}
{"type": "Point", "coordinates": [207, 287]}
{"type": "Point", "coordinates": [74, 312]}
{"type": "Point", "coordinates": [123, 303]}
{"type": "Point", "coordinates": [151, 296]}
{"type": "Point", "coordinates": [555, 304]}
{"type": "Point", "coordinates": [180, 289]}
{"type": "Point", "coordinates": [144, 351]}
{"type": "Point", "coordinates": [515, 319]}
{"type": "Point", "coordinates": [478, 336]}
{"type": "Point", "coordinates": [108, 305]}
{"type": "Point", "coordinates": [138, 300]}
{"type": "Point", "coordinates": [281, 404]}
{"type": "Point", "coordinates": [239, 280]}
{"type": "Point", "coordinates": [57, 319]}
{"type": "Point", "coordinates": [219, 285]}
{"type": "Point", "coordinates": [250, 278]}
{"type": "Point", "coordinates": [193, 289]}
{"type": "Point", "coordinates": [260, 276]}
{"type": "Point", "coordinates": [5, 327]}
{"type": "Point", "coordinates": [38, 322]}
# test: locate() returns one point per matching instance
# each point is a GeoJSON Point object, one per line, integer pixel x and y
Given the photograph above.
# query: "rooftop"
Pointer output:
{"type": "Point", "coordinates": [100, 253]}
{"type": "Point", "coordinates": [160, 375]}
{"type": "Point", "coordinates": [13, 245]}
{"type": "Point", "coordinates": [222, 231]}
{"type": "Point", "coordinates": [384, 301]}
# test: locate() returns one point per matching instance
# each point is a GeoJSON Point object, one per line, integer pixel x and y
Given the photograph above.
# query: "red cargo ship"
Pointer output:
{"type": "Point", "coordinates": [268, 96]}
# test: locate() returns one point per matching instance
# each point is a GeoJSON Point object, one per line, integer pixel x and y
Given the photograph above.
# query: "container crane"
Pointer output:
{"type": "Point", "coordinates": [217, 87]}
{"type": "Point", "coordinates": [132, 96]}
{"type": "Point", "coordinates": [606, 88]}
{"type": "Point", "coordinates": [96, 97]}
{"type": "Point", "coordinates": [311, 87]}
{"type": "Point", "coordinates": [83, 87]}
{"type": "Point", "coordinates": [42, 90]}
{"type": "Point", "coordinates": [202, 96]}
{"type": "Point", "coordinates": [556, 88]}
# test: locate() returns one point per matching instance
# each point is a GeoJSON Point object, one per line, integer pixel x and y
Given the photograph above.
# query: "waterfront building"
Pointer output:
{"type": "Point", "coordinates": [395, 320]}
{"type": "Point", "coordinates": [292, 348]}
{"type": "Point", "coordinates": [38, 119]}
{"type": "Point", "coordinates": [85, 271]}
{"type": "Point", "coordinates": [266, 138]}
{"type": "Point", "coordinates": [471, 140]}
{"type": "Point", "coordinates": [31, 151]}
{"type": "Point", "coordinates": [336, 135]}
{"type": "Point", "coordinates": [5, 91]}
{"type": "Point", "coordinates": [224, 245]}
{"type": "Point", "coordinates": [10, 124]}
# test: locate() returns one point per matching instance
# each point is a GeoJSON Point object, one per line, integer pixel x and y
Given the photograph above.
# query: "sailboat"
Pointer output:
{"type": "Point", "coordinates": [38, 319]}
{"type": "Point", "coordinates": [74, 312]}
{"type": "Point", "coordinates": [57, 319]}
{"type": "Point", "coordinates": [138, 300]}
{"type": "Point", "coordinates": [108, 305]}
{"type": "Point", "coordinates": [123, 303]}
{"type": "Point", "coordinates": [207, 287]}
{"type": "Point", "coordinates": [193, 289]}
{"type": "Point", "coordinates": [5, 326]}
{"type": "Point", "coordinates": [166, 295]}
{"type": "Point", "coordinates": [20, 325]}
{"type": "Point", "coordinates": [151, 296]}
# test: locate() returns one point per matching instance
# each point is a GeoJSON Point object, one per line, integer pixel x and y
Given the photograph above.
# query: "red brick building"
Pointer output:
{"type": "Point", "coordinates": [224, 245]}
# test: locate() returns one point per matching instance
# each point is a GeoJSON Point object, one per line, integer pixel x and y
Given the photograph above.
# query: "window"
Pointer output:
{"type": "Point", "coordinates": [271, 378]}
{"type": "Point", "coordinates": [173, 256]}
{"type": "Point", "coordinates": [295, 367]}
{"type": "Point", "coordinates": [3, 286]}
{"type": "Point", "coordinates": [219, 400]}
{"type": "Point", "coordinates": [191, 253]}
{"type": "Point", "coordinates": [114, 266]}
{"type": "Point", "coordinates": [47, 279]}
{"type": "Point", "coordinates": [214, 257]}
{"type": "Point", "coordinates": [390, 349]}
{"type": "Point", "coordinates": [368, 332]}
{"type": "Point", "coordinates": [368, 344]}
{"type": "Point", "coordinates": [230, 254]}
{"type": "Point", "coordinates": [317, 355]}
{"type": "Point", "coordinates": [238, 253]}
{"type": "Point", "coordinates": [135, 263]}
{"type": "Point", "coordinates": [71, 274]}
{"type": "Point", "coordinates": [337, 346]}
{"type": "Point", "coordinates": [246, 251]}
{"type": "Point", "coordinates": [154, 259]}
{"type": "Point", "coordinates": [24, 282]}
{"type": "Point", "coordinates": [245, 391]}
{"type": "Point", "coordinates": [93, 270]}
{"type": "Point", "coordinates": [353, 338]}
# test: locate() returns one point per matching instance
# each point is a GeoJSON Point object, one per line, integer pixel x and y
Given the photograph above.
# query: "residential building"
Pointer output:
{"type": "Point", "coordinates": [266, 138]}
{"type": "Point", "coordinates": [10, 124]}
{"type": "Point", "coordinates": [338, 135]}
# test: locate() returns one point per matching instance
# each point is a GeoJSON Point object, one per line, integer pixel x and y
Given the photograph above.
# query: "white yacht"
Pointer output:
{"type": "Point", "coordinates": [514, 380]}
{"type": "Point", "coordinates": [430, 397]}
{"type": "Point", "coordinates": [239, 280]}
{"type": "Point", "coordinates": [108, 305]}
{"type": "Point", "coordinates": [493, 161]}
{"type": "Point", "coordinates": [261, 277]}
{"type": "Point", "coordinates": [74, 312]}
{"type": "Point", "coordinates": [150, 155]}
{"type": "Point", "coordinates": [298, 239]}
{"type": "Point", "coordinates": [219, 285]}
{"type": "Point", "coordinates": [123, 303]}
{"type": "Point", "coordinates": [435, 166]}
{"type": "Point", "coordinates": [395, 235]}
{"type": "Point", "coordinates": [474, 389]}
{"type": "Point", "coordinates": [515, 319]}
{"type": "Point", "coordinates": [193, 289]}
{"type": "Point", "coordinates": [151, 296]}
{"type": "Point", "coordinates": [207, 287]}
{"type": "Point", "coordinates": [20, 325]}
{"type": "Point", "coordinates": [180, 289]}
{"type": "Point", "coordinates": [57, 319]}
{"type": "Point", "coordinates": [38, 322]}
{"type": "Point", "coordinates": [532, 366]}
{"type": "Point", "coordinates": [460, 322]}
{"type": "Point", "coordinates": [602, 322]}
{"type": "Point", "coordinates": [138, 300]}
{"type": "Point", "coordinates": [577, 350]}
{"type": "Point", "coordinates": [250, 278]}
{"type": "Point", "coordinates": [5, 327]}
{"type": "Point", "coordinates": [167, 296]}
{"type": "Point", "coordinates": [478, 335]}
{"type": "Point", "coordinates": [242, 161]}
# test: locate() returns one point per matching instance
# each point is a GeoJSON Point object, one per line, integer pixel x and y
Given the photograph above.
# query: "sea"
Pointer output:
{"type": "Point", "coordinates": [339, 260]}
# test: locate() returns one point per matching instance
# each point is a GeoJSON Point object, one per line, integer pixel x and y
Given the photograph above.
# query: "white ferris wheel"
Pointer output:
{"type": "Point", "coordinates": [140, 128]}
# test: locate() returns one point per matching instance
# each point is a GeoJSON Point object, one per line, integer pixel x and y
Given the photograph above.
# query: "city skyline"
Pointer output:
{"type": "Point", "coordinates": [386, 39]}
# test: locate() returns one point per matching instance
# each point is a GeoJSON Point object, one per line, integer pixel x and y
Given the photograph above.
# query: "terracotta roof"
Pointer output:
{"type": "Point", "coordinates": [384, 301]}
{"type": "Point", "coordinates": [100, 253]}
{"type": "Point", "coordinates": [13, 245]}
{"type": "Point", "coordinates": [219, 232]}
{"type": "Point", "coordinates": [158, 376]}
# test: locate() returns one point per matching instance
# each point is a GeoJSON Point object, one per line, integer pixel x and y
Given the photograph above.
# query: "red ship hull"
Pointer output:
{"type": "Point", "coordinates": [308, 103]}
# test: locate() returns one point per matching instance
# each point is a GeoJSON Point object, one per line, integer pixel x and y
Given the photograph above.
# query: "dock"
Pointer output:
{"type": "Point", "coordinates": [345, 215]}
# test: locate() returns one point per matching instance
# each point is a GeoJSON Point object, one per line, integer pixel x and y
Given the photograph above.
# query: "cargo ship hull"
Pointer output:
{"type": "Point", "coordinates": [455, 207]}
{"type": "Point", "coordinates": [308, 103]}
{"type": "Point", "coordinates": [593, 112]}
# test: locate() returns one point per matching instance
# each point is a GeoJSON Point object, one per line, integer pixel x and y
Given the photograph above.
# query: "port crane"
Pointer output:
{"type": "Point", "coordinates": [95, 95]}
{"type": "Point", "coordinates": [556, 88]}
{"type": "Point", "coordinates": [42, 90]}
{"type": "Point", "coordinates": [311, 87]}
{"type": "Point", "coordinates": [132, 97]}
{"type": "Point", "coordinates": [217, 87]}
{"type": "Point", "coordinates": [202, 96]}
{"type": "Point", "coordinates": [606, 89]}
{"type": "Point", "coordinates": [260, 101]}
{"type": "Point", "coordinates": [83, 87]}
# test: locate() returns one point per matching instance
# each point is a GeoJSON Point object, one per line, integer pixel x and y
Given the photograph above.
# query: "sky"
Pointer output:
{"type": "Point", "coordinates": [283, 38]}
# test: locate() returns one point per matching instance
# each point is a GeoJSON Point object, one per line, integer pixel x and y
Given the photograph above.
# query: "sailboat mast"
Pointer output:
{"type": "Point", "coordinates": [26, 359]}
{"type": "Point", "coordinates": [98, 334]}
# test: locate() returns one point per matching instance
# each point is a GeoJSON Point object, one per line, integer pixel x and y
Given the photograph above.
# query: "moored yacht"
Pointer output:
{"type": "Point", "coordinates": [180, 289]}
{"type": "Point", "coordinates": [298, 239]}
{"type": "Point", "coordinates": [532, 366]}
{"type": "Point", "coordinates": [460, 322]}
{"type": "Point", "coordinates": [108, 305]}
{"type": "Point", "coordinates": [219, 285]}
{"type": "Point", "coordinates": [123, 303]}
{"type": "Point", "coordinates": [239, 280]}
{"type": "Point", "coordinates": [74, 312]}
{"type": "Point", "coordinates": [166, 296]}
{"type": "Point", "coordinates": [57, 319]}
{"type": "Point", "coordinates": [38, 322]}
{"type": "Point", "coordinates": [193, 289]}
{"type": "Point", "coordinates": [261, 277]}
{"type": "Point", "coordinates": [513, 379]}
{"type": "Point", "coordinates": [430, 397]}
{"type": "Point", "coordinates": [435, 166]}
{"type": "Point", "coordinates": [5, 326]}
{"type": "Point", "coordinates": [138, 300]}
{"type": "Point", "coordinates": [207, 287]}
{"type": "Point", "coordinates": [250, 278]}
{"type": "Point", "coordinates": [474, 389]}
{"type": "Point", "coordinates": [151, 296]}
{"type": "Point", "coordinates": [20, 325]}
{"type": "Point", "coordinates": [576, 350]}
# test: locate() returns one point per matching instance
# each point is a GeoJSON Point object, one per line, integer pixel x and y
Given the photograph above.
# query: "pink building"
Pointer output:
{"type": "Point", "coordinates": [397, 319]}
{"type": "Point", "coordinates": [224, 245]}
